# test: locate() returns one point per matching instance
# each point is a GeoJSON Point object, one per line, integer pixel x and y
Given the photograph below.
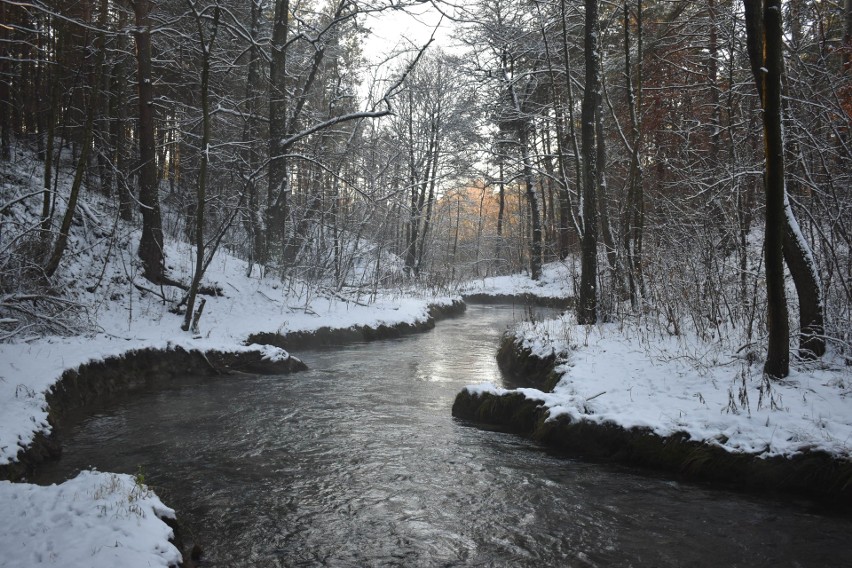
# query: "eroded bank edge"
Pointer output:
{"type": "Point", "coordinates": [814, 474]}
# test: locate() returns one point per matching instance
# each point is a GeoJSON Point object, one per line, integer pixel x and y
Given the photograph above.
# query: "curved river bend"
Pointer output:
{"type": "Point", "coordinates": [358, 462]}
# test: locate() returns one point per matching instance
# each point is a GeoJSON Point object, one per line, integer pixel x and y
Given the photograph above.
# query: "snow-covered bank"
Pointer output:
{"type": "Point", "coordinates": [676, 387]}
{"type": "Point", "coordinates": [555, 287]}
{"type": "Point", "coordinates": [94, 520]}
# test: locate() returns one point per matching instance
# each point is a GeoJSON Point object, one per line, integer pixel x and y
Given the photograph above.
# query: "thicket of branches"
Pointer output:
{"type": "Point", "coordinates": [630, 132]}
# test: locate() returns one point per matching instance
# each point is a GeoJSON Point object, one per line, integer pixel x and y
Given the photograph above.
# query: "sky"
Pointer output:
{"type": "Point", "coordinates": [410, 29]}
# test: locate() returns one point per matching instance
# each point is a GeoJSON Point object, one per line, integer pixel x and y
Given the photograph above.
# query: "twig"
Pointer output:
{"type": "Point", "coordinates": [144, 289]}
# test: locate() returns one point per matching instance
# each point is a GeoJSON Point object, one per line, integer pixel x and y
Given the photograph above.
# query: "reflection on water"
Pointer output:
{"type": "Point", "coordinates": [358, 462]}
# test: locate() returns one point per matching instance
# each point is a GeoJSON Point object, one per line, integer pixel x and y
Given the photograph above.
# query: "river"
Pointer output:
{"type": "Point", "coordinates": [358, 462]}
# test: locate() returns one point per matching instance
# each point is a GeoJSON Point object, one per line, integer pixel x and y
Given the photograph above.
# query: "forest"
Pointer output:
{"type": "Point", "coordinates": [691, 162]}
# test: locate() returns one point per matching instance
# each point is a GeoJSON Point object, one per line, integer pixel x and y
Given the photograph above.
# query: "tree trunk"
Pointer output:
{"type": "Point", "coordinates": [501, 210]}
{"type": "Point", "coordinates": [572, 132]}
{"type": "Point", "coordinates": [430, 198]}
{"type": "Point", "coordinates": [532, 203]}
{"type": "Point", "coordinates": [803, 268]}
{"type": "Point", "coordinates": [764, 35]}
{"type": "Point", "coordinates": [847, 35]}
{"type": "Point", "coordinates": [151, 241]}
{"type": "Point", "coordinates": [794, 249]}
{"type": "Point", "coordinates": [279, 187]}
{"type": "Point", "coordinates": [634, 216]}
{"type": "Point", "coordinates": [612, 256]}
{"type": "Point", "coordinates": [522, 126]}
{"type": "Point", "coordinates": [251, 136]}
{"type": "Point", "coordinates": [587, 304]}
{"type": "Point", "coordinates": [5, 110]}
{"type": "Point", "coordinates": [118, 136]}
{"type": "Point", "coordinates": [50, 135]}
{"type": "Point", "coordinates": [201, 192]}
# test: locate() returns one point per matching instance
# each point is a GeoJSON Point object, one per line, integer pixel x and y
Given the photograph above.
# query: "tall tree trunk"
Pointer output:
{"type": "Point", "coordinates": [201, 191]}
{"type": "Point", "coordinates": [612, 255]}
{"type": "Point", "coordinates": [794, 249]}
{"type": "Point", "coordinates": [764, 34]}
{"type": "Point", "coordinates": [279, 187]}
{"type": "Point", "coordinates": [151, 241]}
{"type": "Point", "coordinates": [251, 136]}
{"type": "Point", "coordinates": [430, 198]}
{"type": "Point", "coordinates": [566, 208]}
{"type": "Point", "coordinates": [523, 126]}
{"type": "Point", "coordinates": [5, 91]}
{"type": "Point", "coordinates": [587, 304]}
{"type": "Point", "coordinates": [118, 116]}
{"type": "Point", "coordinates": [532, 203]}
{"type": "Point", "coordinates": [572, 132]}
{"type": "Point", "coordinates": [847, 35]}
{"type": "Point", "coordinates": [50, 134]}
{"type": "Point", "coordinates": [797, 254]}
{"type": "Point", "coordinates": [635, 214]}
{"type": "Point", "coordinates": [501, 209]}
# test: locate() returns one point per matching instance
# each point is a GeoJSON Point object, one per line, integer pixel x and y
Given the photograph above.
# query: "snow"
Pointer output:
{"type": "Point", "coordinates": [94, 520]}
{"type": "Point", "coordinates": [636, 378]}
{"type": "Point", "coordinates": [557, 281]}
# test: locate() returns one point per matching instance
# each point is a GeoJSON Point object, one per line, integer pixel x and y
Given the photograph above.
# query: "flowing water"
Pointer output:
{"type": "Point", "coordinates": [358, 462]}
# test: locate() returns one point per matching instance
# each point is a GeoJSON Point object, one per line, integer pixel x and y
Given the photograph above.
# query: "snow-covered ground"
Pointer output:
{"type": "Point", "coordinates": [94, 520]}
{"type": "Point", "coordinates": [557, 281]}
{"type": "Point", "coordinates": [634, 377]}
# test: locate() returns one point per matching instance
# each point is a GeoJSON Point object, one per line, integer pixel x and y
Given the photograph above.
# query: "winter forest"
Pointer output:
{"type": "Point", "coordinates": [324, 173]}
{"type": "Point", "coordinates": [683, 155]}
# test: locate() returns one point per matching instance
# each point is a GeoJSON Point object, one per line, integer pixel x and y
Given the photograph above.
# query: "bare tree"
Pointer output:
{"type": "Point", "coordinates": [587, 302]}
{"type": "Point", "coordinates": [763, 25]}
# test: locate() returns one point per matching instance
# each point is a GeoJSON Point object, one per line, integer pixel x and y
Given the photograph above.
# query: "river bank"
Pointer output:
{"type": "Point", "coordinates": [603, 399]}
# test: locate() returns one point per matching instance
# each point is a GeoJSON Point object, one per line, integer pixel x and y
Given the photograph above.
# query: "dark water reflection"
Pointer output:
{"type": "Point", "coordinates": [359, 463]}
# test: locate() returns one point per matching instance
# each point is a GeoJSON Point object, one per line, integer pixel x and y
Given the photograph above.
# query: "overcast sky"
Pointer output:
{"type": "Point", "coordinates": [395, 30]}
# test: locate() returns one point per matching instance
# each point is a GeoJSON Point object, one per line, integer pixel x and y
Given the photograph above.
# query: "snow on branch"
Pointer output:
{"type": "Point", "coordinates": [374, 113]}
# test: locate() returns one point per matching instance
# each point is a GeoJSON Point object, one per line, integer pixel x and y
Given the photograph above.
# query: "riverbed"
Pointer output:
{"type": "Point", "coordinates": [358, 462]}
